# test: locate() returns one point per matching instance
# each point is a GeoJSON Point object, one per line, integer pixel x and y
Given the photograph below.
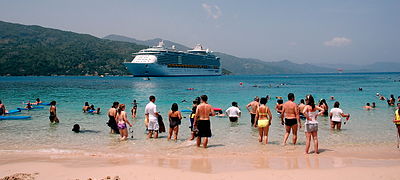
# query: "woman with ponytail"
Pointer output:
{"type": "Point", "coordinates": [121, 122]}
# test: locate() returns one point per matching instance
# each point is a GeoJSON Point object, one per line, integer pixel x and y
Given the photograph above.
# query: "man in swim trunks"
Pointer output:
{"type": "Point", "coordinates": [301, 107]}
{"type": "Point", "coordinates": [202, 120]}
{"type": "Point", "coordinates": [151, 115]}
{"type": "Point", "coordinates": [290, 113]}
{"type": "Point", "coordinates": [254, 106]}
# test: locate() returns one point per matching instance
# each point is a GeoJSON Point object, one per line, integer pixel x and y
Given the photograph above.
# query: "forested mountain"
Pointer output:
{"type": "Point", "coordinates": [35, 50]}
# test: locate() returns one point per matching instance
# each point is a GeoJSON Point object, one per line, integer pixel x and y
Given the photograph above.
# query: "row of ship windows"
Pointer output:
{"type": "Point", "coordinates": [192, 66]}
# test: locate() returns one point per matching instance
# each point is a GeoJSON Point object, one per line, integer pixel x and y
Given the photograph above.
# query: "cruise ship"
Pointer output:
{"type": "Point", "coordinates": [161, 61]}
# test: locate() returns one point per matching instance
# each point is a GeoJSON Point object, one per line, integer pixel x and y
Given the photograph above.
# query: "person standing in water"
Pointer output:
{"type": "Point", "coordinates": [279, 107]}
{"type": "Point", "coordinates": [86, 107]}
{"type": "Point", "coordinates": [121, 122]}
{"type": "Point", "coordinates": [2, 109]}
{"type": "Point", "coordinates": [301, 107]}
{"type": "Point", "coordinates": [53, 113]}
{"type": "Point", "coordinates": [336, 115]}
{"type": "Point", "coordinates": [233, 112]}
{"type": "Point", "coordinates": [196, 102]}
{"type": "Point", "coordinates": [322, 104]}
{"type": "Point", "coordinates": [290, 117]}
{"type": "Point", "coordinates": [112, 114]}
{"type": "Point", "coordinates": [134, 108]}
{"type": "Point", "coordinates": [311, 124]}
{"type": "Point", "coordinates": [396, 121]}
{"type": "Point", "coordinates": [252, 108]}
{"type": "Point", "coordinates": [202, 121]}
{"type": "Point", "coordinates": [174, 117]}
{"type": "Point", "coordinates": [263, 117]}
{"type": "Point", "coordinates": [151, 115]}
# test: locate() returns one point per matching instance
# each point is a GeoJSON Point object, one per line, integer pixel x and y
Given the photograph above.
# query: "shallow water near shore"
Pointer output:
{"type": "Point", "coordinates": [365, 128]}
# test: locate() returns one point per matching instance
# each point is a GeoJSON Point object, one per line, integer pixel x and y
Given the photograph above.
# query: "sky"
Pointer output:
{"type": "Point", "coordinates": [303, 31]}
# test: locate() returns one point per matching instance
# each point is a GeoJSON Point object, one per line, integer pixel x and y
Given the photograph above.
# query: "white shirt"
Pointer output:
{"type": "Point", "coordinates": [336, 114]}
{"type": "Point", "coordinates": [151, 109]}
{"type": "Point", "coordinates": [233, 111]}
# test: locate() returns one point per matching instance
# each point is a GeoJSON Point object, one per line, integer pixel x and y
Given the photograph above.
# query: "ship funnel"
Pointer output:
{"type": "Point", "coordinates": [161, 44]}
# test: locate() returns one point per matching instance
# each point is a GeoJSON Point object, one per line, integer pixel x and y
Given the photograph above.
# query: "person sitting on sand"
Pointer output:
{"type": "Point", "coordinates": [367, 106]}
{"type": "Point", "coordinates": [3, 110]}
{"type": "Point", "coordinates": [76, 128]}
{"type": "Point", "coordinates": [174, 117]}
{"type": "Point", "coordinates": [53, 113]}
{"type": "Point", "coordinates": [311, 124]}
{"type": "Point", "coordinates": [86, 107]}
{"type": "Point", "coordinates": [233, 112]}
{"type": "Point", "coordinates": [336, 115]}
{"type": "Point", "coordinates": [279, 107]}
{"type": "Point", "coordinates": [252, 107]}
{"type": "Point", "coordinates": [202, 121]}
{"type": "Point", "coordinates": [263, 118]}
{"type": "Point", "coordinates": [121, 122]}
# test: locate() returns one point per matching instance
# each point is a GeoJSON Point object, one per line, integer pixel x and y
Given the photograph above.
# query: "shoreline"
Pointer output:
{"type": "Point", "coordinates": [372, 163]}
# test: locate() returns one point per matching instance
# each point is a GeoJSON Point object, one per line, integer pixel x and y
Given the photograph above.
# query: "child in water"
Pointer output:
{"type": "Point", "coordinates": [121, 122]}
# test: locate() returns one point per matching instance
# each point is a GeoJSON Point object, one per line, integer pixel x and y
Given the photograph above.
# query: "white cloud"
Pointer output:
{"type": "Point", "coordinates": [338, 42]}
{"type": "Point", "coordinates": [212, 10]}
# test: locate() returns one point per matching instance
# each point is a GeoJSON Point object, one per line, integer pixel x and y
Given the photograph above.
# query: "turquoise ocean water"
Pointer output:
{"type": "Point", "coordinates": [37, 134]}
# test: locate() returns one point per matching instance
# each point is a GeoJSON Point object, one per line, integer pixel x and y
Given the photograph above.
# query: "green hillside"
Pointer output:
{"type": "Point", "coordinates": [35, 50]}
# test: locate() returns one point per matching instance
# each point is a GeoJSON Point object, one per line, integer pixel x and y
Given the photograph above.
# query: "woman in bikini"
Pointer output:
{"type": "Point", "coordinates": [121, 122]}
{"type": "Point", "coordinates": [263, 117]}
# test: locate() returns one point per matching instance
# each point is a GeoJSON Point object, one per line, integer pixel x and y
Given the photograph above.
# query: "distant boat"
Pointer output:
{"type": "Point", "coordinates": [160, 61]}
{"type": "Point", "coordinates": [340, 70]}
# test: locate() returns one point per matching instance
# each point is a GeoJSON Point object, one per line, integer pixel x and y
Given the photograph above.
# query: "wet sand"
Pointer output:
{"type": "Point", "coordinates": [378, 162]}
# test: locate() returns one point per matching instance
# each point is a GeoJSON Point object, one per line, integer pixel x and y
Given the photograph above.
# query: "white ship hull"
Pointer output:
{"type": "Point", "coordinates": [156, 70]}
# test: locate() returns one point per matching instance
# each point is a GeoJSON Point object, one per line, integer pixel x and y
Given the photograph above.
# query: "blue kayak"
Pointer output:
{"type": "Point", "coordinates": [44, 104]}
{"type": "Point", "coordinates": [14, 117]}
{"type": "Point", "coordinates": [13, 111]}
{"type": "Point", "coordinates": [92, 111]}
{"type": "Point", "coordinates": [186, 110]}
{"type": "Point", "coordinates": [33, 107]}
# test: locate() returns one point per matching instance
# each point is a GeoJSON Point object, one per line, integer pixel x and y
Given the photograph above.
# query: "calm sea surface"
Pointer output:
{"type": "Point", "coordinates": [37, 134]}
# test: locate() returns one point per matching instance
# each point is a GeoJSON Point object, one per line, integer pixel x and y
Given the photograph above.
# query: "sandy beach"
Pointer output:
{"type": "Point", "coordinates": [370, 163]}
